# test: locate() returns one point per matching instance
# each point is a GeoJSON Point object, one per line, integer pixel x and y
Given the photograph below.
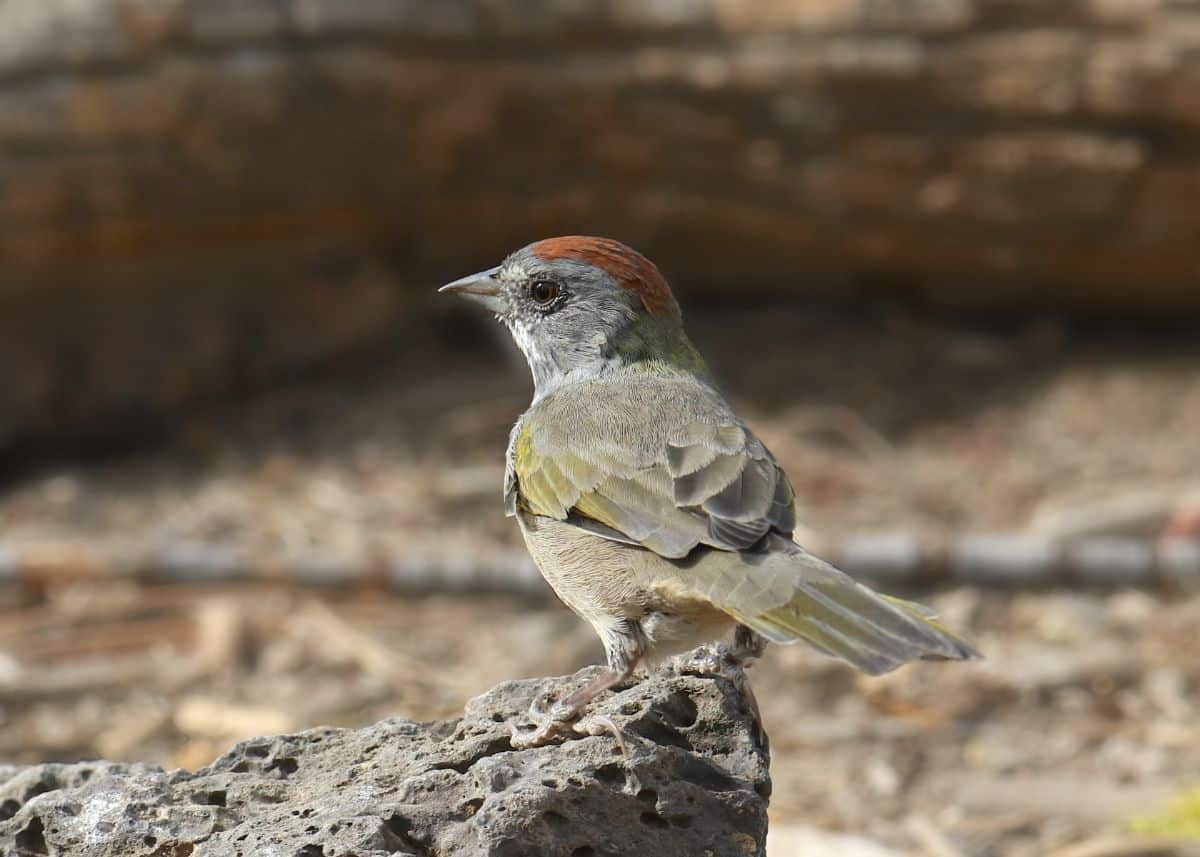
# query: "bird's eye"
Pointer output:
{"type": "Point", "coordinates": [543, 292]}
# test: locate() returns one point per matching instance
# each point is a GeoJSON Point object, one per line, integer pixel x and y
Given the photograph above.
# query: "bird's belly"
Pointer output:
{"type": "Point", "coordinates": [608, 583]}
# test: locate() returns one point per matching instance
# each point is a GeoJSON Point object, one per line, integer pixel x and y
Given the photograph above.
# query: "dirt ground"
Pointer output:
{"type": "Point", "coordinates": [1084, 717]}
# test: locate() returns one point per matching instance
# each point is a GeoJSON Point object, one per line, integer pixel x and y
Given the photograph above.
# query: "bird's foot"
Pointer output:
{"type": "Point", "coordinates": [550, 720]}
{"type": "Point", "coordinates": [555, 721]}
{"type": "Point", "coordinates": [719, 659]}
{"type": "Point", "coordinates": [711, 660]}
{"type": "Point", "coordinates": [747, 646]}
{"type": "Point", "coordinates": [602, 724]}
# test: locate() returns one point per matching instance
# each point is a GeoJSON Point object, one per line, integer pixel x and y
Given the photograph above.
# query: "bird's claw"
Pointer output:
{"type": "Point", "coordinates": [721, 661]}
{"type": "Point", "coordinates": [541, 705]}
{"type": "Point", "coordinates": [539, 736]}
{"type": "Point", "coordinates": [704, 661]}
{"type": "Point", "coordinates": [552, 722]}
{"type": "Point", "coordinates": [602, 724]}
{"type": "Point", "coordinates": [548, 724]}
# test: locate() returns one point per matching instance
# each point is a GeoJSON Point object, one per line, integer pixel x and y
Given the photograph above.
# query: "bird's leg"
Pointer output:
{"type": "Point", "coordinates": [609, 678]}
{"type": "Point", "coordinates": [725, 660]}
{"type": "Point", "coordinates": [600, 724]}
{"type": "Point", "coordinates": [748, 646]}
{"type": "Point", "coordinates": [709, 659]}
{"type": "Point", "coordinates": [730, 663]}
{"type": "Point", "coordinates": [550, 722]}
{"type": "Point", "coordinates": [624, 650]}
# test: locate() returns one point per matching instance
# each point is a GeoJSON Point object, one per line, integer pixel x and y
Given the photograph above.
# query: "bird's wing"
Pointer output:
{"type": "Point", "coordinates": [664, 464]}
{"type": "Point", "coordinates": [667, 466]}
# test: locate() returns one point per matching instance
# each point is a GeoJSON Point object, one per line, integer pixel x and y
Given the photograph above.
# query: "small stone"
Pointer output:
{"type": "Point", "coordinates": [1132, 608]}
{"type": "Point", "coordinates": [882, 777]}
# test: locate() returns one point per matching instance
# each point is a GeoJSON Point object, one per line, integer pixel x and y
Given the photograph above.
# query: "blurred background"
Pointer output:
{"type": "Point", "coordinates": [945, 255]}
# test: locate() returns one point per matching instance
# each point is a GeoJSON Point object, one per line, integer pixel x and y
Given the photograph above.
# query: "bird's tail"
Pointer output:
{"type": "Point", "coordinates": [839, 616]}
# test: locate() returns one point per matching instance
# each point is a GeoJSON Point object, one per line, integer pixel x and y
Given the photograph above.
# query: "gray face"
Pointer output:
{"type": "Point", "coordinates": [563, 314]}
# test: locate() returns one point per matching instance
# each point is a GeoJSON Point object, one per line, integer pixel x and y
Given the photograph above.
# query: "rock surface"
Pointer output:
{"type": "Point", "coordinates": [225, 188]}
{"type": "Point", "coordinates": [695, 782]}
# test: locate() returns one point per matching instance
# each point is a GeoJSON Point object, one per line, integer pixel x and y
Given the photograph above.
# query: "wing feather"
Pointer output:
{"type": "Point", "coordinates": [685, 460]}
{"type": "Point", "coordinates": [646, 476]}
{"type": "Point", "coordinates": [696, 488]}
{"type": "Point", "coordinates": [748, 497]}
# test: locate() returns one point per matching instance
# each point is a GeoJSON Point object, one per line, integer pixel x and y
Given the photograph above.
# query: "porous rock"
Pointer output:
{"type": "Point", "coordinates": [694, 782]}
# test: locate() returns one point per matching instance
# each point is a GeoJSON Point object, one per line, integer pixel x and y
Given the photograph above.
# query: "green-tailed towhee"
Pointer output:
{"type": "Point", "coordinates": [649, 506]}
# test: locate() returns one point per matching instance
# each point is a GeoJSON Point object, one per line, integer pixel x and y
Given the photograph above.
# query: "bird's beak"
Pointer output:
{"type": "Point", "coordinates": [482, 288]}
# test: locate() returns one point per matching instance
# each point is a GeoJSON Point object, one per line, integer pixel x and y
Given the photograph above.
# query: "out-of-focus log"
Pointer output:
{"type": "Point", "coordinates": [200, 193]}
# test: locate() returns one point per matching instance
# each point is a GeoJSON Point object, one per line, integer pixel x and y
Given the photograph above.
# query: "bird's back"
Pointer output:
{"type": "Point", "coordinates": [631, 409]}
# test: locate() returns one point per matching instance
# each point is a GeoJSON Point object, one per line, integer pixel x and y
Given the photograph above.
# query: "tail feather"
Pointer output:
{"type": "Point", "coordinates": [786, 594]}
{"type": "Point", "coordinates": [872, 632]}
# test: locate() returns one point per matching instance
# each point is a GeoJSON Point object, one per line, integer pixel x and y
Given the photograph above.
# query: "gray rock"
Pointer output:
{"type": "Point", "coordinates": [695, 782]}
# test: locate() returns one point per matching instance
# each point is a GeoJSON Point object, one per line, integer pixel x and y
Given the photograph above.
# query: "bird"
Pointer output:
{"type": "Point", "coordinates": [649, 506]}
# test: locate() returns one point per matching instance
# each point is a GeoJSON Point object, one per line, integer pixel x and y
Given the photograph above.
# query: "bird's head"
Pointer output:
{"type": "Point", "coordinates": [579, 306]}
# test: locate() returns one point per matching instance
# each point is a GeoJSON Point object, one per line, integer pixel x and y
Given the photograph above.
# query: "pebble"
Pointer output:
{"type": "Point", "coordinates": [882, 778]}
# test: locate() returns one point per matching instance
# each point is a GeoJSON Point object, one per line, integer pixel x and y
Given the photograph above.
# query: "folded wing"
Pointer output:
{"type": "Point", "coordinates": [668, 488]}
